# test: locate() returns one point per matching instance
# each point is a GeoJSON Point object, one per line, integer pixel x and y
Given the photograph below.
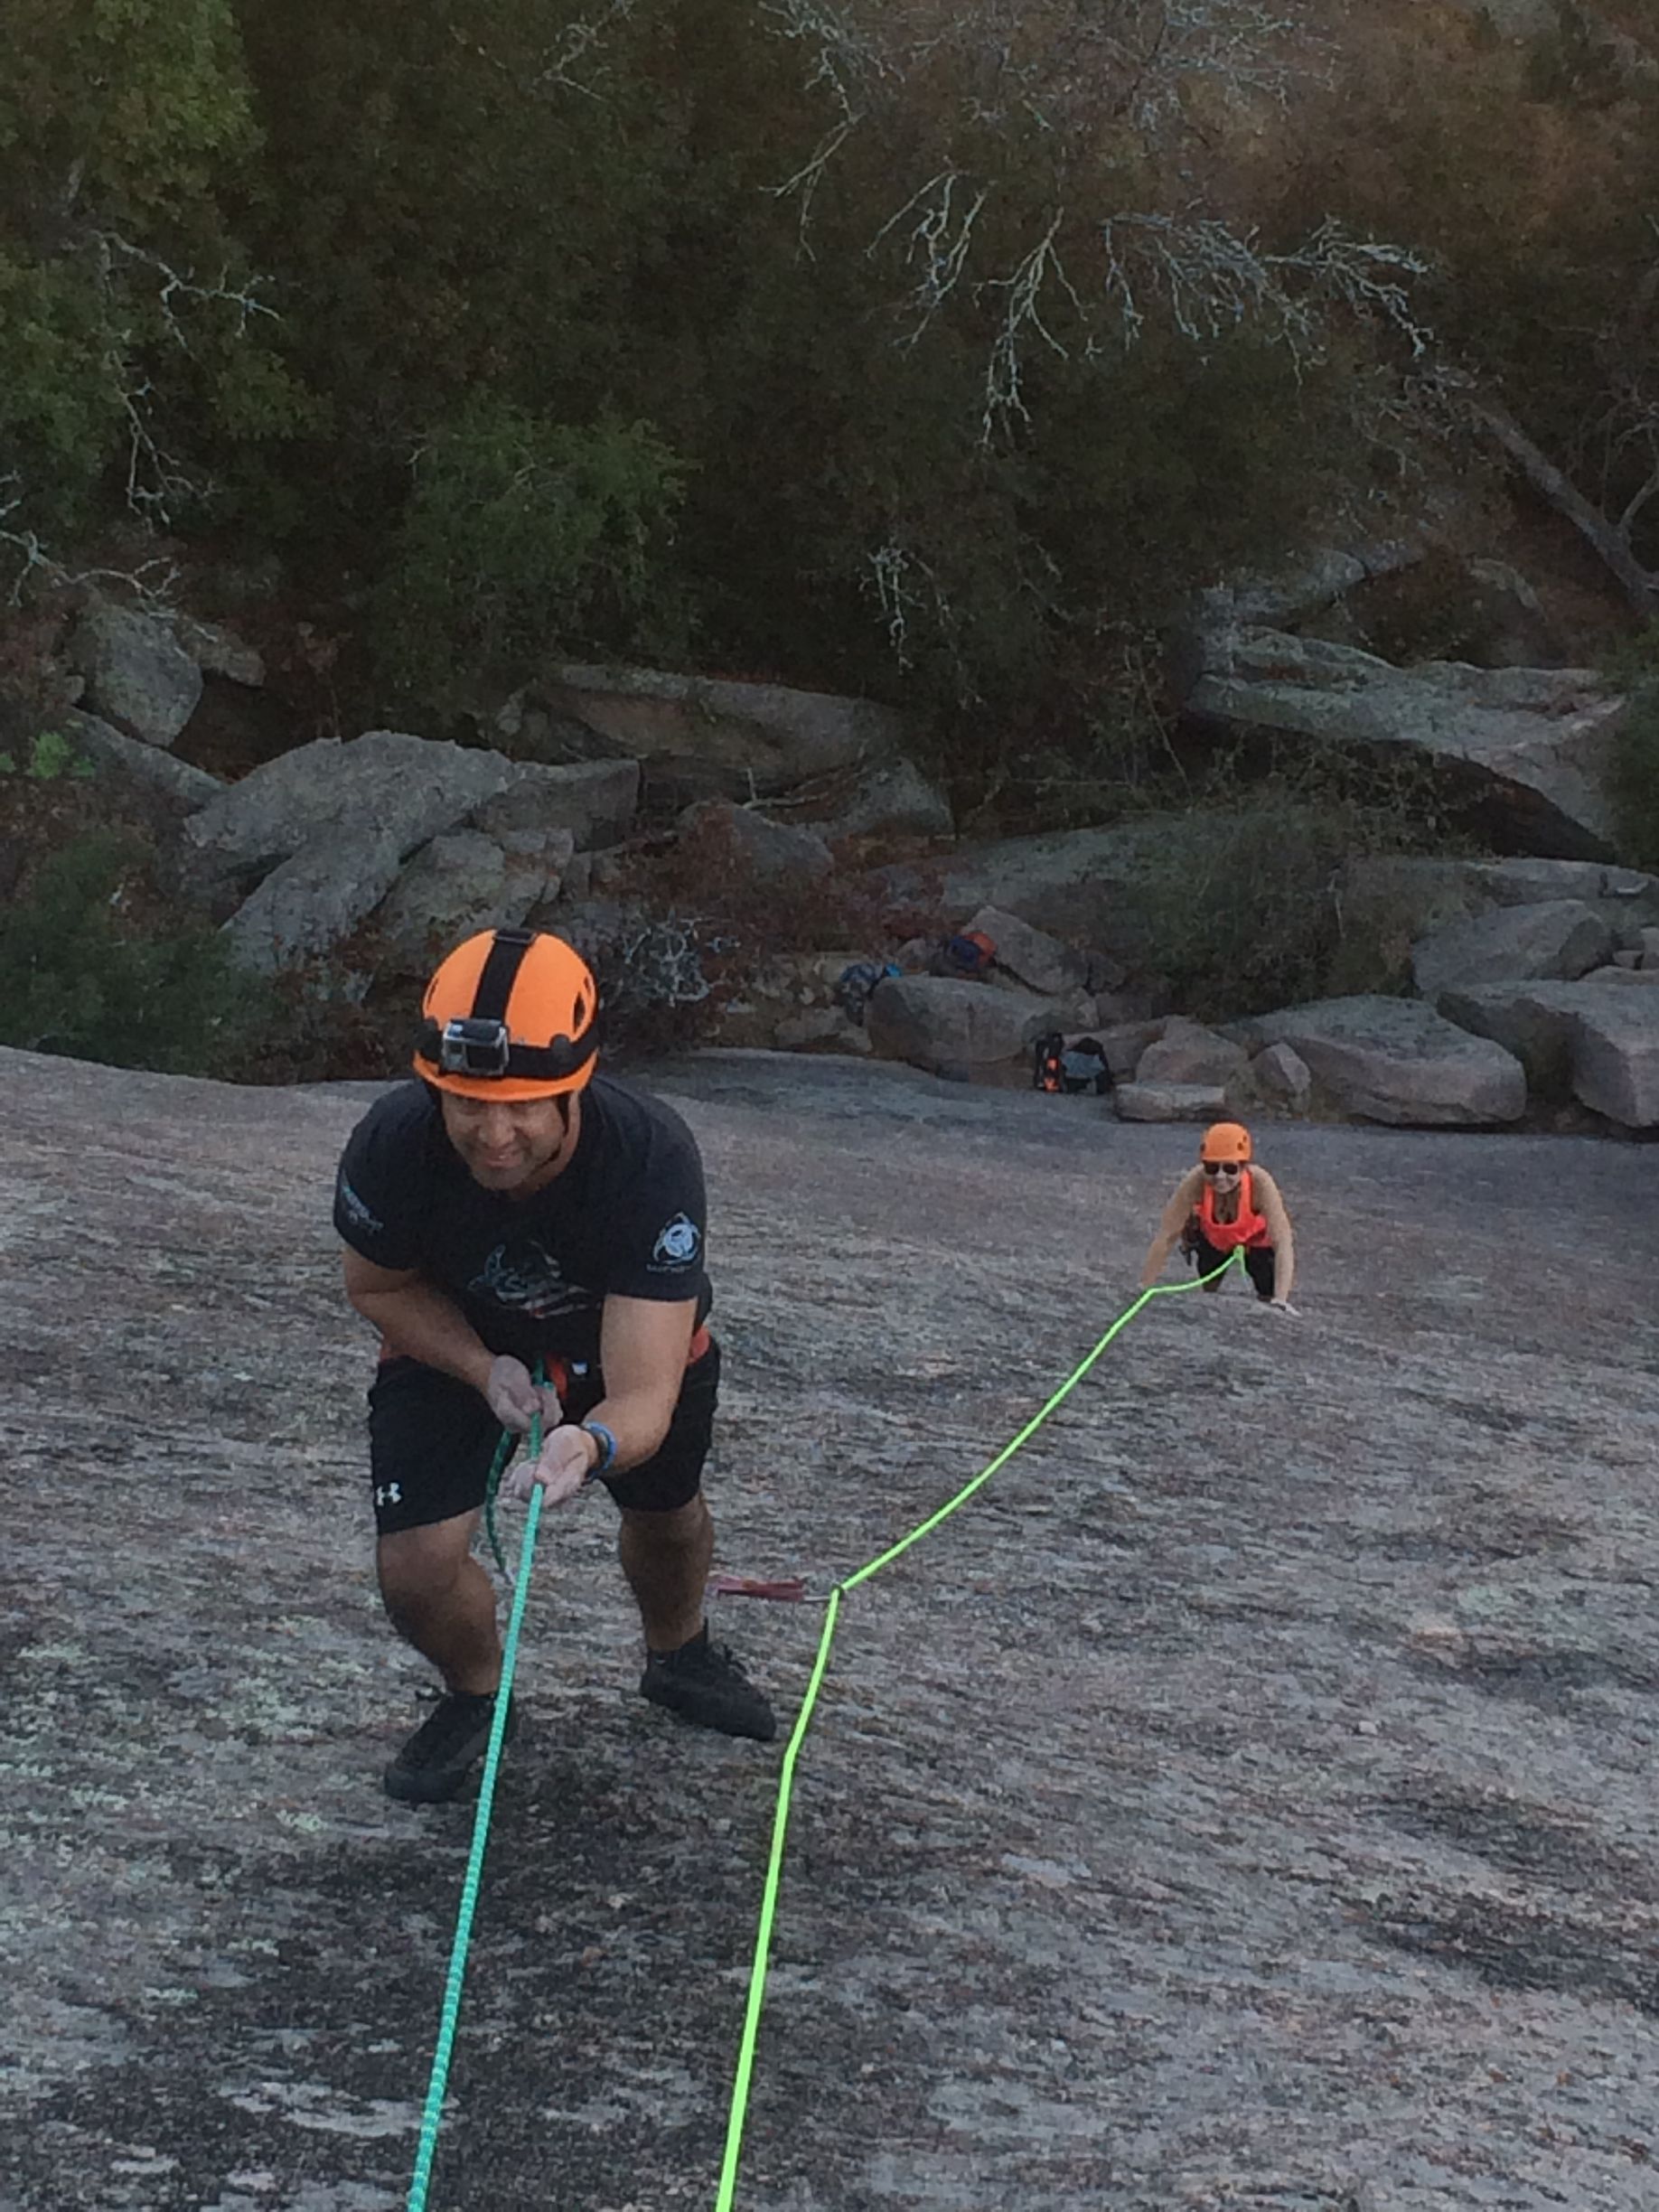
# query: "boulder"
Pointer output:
{"type": "Point", "coordinates": [593, 801]}
{"type": "Point", "coordinates": [1533, 1020]}
{"type": "Point", "coordinates": [385, 786]}
{"type": "Point", "coordinates": [1394, 1060]}
{"type": "Point", "coordinates": [1537, 741]}
{"type": "Point", "coordinates": [1041, 962]}
{"type": "Point", "coordinates": [112, 752]}
{"type": "Point", "coordinates": [745, 844]}
{"type": "Point", "coordinates": [1170, 1102]}
{"type": "Point", "coordinates": [781, 735]}
{"type": "Point", "coordinates": [1124, 1041]}
{"type": "Point", "coordinates": [318, 896]}
{"type": "Point", "coordinates": [219, 652]}
{"type": "Point", "coordinates": [1649, 947]}
{"type": "Point", "coordinates": [1598, 1039]}
{"type": "Point", "coordinates": [1188, 1053]}
{"type": "Point", "coordinates": [822, 1029]}
{"type": "Point", "coordinates": [1616, 1056]}
{"type": "Point", "coordinates": [1283, 1075]}
{"type": "Point", "coordinates": [464, 881]}
{"type": "Point", "coordinates": [935, 1021]}
{"type": "Point", "coordinates": [1392, 892]}
{"type": "Point", "coordinates": [1561, 938]}
{"type": "Point", "coordinates": [888, 798]}
{"type": "Point", "coordinates": [138, 674]}
{"type": "Point", "coordinates": [1306, 586]}
{"type": "Point", "coordinates": [1086, 887]}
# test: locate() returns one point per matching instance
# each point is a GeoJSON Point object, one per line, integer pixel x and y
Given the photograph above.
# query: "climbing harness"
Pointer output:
{"type": "Point", "coordinates": [790, 1588]}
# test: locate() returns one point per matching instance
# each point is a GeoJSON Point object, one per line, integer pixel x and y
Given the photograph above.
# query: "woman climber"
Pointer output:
{"type": "Point", "coordinates": [1224, 1203]}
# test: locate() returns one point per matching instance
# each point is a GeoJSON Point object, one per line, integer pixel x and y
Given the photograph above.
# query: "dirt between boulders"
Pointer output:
{"type": "Point", "coordinates": [1245, 1801]}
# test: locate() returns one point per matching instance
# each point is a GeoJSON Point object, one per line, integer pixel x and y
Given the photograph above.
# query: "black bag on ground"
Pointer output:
{"type": "Point", "coordinates": [1081, 1066]}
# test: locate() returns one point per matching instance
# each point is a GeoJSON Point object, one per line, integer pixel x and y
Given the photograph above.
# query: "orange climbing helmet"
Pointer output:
{"type": "Point", "coordinates": [511, 1014]}
{"type": "Point", "coordinates": [1227, 1143]}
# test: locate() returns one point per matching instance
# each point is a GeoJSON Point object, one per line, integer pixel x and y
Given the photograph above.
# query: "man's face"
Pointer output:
{"type": "Point", "coordinates": [507, 1145]}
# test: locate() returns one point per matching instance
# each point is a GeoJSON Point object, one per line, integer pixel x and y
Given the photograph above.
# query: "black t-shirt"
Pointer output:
{"type": "Point", "coordinates": [625, 1217]}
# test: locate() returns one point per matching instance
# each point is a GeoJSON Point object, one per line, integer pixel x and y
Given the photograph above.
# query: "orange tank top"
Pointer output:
{"type": "Point", "coordinates": [1251, 1228]}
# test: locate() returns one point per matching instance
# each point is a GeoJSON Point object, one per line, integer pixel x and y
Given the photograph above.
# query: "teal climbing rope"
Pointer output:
{"type": "Point", "coordinates": [449, 2017]}
{"type": "Point", "coordinates": [780, 1822]}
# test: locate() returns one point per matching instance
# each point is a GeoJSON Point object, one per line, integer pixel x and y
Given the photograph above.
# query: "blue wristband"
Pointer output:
{"type": "Point", "coordinates": [607, 1447]}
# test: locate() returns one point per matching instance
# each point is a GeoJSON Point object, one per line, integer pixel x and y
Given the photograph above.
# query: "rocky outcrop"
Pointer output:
{"type": "Point", "coordinates": [1535, 742]}
{"type": "Point", "coordinates": [1391, 893]}
{"type": "Point", "coordinates": [1394, 1060]}
{"type": "Point", "coordinates": [325, 832]}
{"type": "Point", "coordinates": [1562, 938]}
{"type": "Point", "coordinates": [386, 784]}
{"type": "Point", "coordinates": [1244, 1800]}
{"type": "Point", "coordinates": [779, 736]}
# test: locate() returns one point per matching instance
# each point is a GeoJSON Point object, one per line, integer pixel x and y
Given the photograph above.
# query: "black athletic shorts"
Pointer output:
{"type": "Point", "coordinates": [1259, 1262]}
{"type": "Point", "coordinates": [432, 1440]}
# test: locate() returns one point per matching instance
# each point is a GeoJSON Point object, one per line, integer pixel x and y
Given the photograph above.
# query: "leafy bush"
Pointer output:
{"type": "Point", "coordinates": [1243, 914]}
{"type": "Point", "coordinates": [75, 981]}
{"type": "Point", "coordinates": [523, 536]}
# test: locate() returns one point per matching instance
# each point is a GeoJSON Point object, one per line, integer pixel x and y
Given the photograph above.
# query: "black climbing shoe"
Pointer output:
{"type": "Point", "coordinates": [438, 1756]}
{"type": "Point", "coordinates": [704, 1684]}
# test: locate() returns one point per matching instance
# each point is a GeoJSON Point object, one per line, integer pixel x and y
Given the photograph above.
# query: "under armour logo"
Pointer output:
{"type": "Point", "coordinates": [389, 1493]}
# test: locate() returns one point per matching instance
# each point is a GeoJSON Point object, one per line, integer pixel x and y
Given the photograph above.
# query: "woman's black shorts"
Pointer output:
{"type": "Point", "coordinates": [432, 1440]}
{"type": "Point", "coordinates": [1258, 1260]}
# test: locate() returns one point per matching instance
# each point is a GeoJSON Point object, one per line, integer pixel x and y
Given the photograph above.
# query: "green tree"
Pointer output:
{"type": "Point", "coordinates": [126, 306]}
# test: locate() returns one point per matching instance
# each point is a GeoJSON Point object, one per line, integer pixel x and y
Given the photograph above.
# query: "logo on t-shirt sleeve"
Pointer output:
{"type": "Point", "coordinates": [679, 1242]}
{"type": "Point", "coordinates": [357, 1211]}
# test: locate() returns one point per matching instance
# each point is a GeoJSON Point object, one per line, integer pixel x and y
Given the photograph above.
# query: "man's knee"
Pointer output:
{"type": "Point", "coordinates": [678, 1533]}
{"type": "Point", "coordinates": [420, 1567]}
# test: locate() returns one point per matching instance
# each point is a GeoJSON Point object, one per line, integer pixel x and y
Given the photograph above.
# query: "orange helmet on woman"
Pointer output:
{"type": "Point", "coordinates": [511, 1014]}
{"type": "Point", "coordinates": [1227, 1143]}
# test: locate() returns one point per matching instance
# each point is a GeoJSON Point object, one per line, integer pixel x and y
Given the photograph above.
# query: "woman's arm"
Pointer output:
{"type": "Point", "coordinates": [1279, 1235]}
{"type": "Point", "coordinates": [1171, 1223]}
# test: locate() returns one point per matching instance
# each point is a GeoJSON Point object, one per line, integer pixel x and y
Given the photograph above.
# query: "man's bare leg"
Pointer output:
{"type": "Point", "coordinates": [440, 1600]}
{"type": "Point", "coordinates": [666, 1557]}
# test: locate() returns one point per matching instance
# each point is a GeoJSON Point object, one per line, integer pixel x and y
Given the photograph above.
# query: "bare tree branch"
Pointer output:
{"type": "Point", "coordinates": [1609, 541]}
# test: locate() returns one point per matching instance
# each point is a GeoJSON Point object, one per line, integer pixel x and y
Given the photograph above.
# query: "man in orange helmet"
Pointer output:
{"type": "Point", "coordinates": [1224, 1202]}
{"type": "Point", "coordinates": [511, 1208]}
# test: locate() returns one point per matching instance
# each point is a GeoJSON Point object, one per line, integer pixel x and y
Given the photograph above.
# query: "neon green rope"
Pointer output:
{"type": "Point", "coordinates": [432, 2117]}
{"type": "Point", "coordinates": [780, 1824]}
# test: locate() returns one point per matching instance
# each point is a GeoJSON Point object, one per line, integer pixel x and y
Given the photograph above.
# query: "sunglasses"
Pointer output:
{"type": "Point", "coordinates": [1215, 1167]}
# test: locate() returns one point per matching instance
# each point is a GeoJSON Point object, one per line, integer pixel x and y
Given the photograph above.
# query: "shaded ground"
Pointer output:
{"type": "Point", "coordinates": [1245, 1802]}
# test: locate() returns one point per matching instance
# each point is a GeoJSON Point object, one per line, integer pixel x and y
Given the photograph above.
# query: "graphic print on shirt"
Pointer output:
{"type": "Point", "coordinates": [676, 1245]}
{"type": "Point", "coordinates": [528, 1279]}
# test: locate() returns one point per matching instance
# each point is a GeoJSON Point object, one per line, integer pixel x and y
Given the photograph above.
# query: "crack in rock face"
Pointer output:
{"type": "Point", "coordinates": [1246, 1798]}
